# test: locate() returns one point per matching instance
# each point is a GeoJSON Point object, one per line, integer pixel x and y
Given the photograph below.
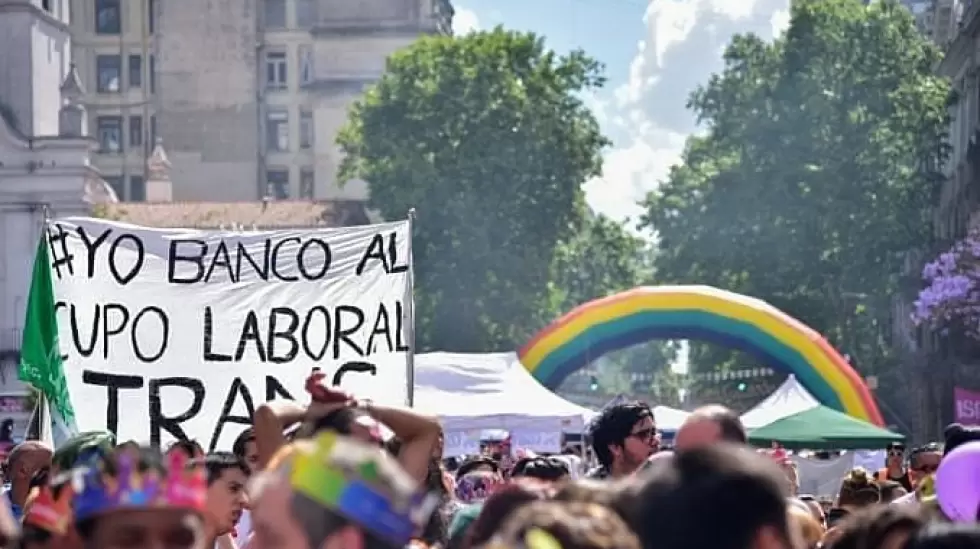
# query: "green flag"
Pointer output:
{"type": "Point", "coordinates": [40, 355]}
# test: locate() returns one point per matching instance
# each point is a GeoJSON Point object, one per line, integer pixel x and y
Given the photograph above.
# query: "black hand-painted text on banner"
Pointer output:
{"type": "Point", "coordinates": [177, 327]}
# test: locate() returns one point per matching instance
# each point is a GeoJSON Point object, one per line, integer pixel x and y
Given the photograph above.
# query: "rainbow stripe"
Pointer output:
{"type": "Point", "coordinates": [701, 313]}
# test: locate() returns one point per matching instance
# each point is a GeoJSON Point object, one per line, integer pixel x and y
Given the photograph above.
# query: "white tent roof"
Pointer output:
{"type": "Point", "coordinates": [669, 419]}
{"type": "Point", "coordinates": [490, 391]}
{"type": "Point", "coordinates": [790, 398]}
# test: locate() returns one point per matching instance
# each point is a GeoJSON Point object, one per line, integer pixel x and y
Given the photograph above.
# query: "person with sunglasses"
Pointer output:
{"type": "Point", "coordinates": [894, 469]}
{"type": "Point", "coordinates": [623, 437]}
{"type": "Point", "coordinates": [924, 460]}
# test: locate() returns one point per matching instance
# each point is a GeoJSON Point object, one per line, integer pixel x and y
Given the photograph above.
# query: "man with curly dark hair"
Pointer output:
{"type": "Point", "coordinates": [623, 437]}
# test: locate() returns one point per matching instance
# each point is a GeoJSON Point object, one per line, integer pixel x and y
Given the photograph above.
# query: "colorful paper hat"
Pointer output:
{"type": "Point", "coordinates": [50, 512]}
{"type": "Point", "coordinates": [477, 486]}
{"type": "Point", "coordinates": [362, 484]}
{"type": "Point", "coordinates": [115, 483]}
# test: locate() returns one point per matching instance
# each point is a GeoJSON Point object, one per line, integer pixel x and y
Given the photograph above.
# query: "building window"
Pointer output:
{"type": "Point", "coordinates": [152, 142]}
{"type": "Point", "coordinates": [151, 14]}
{"type": "Point", "coordinates": [116, 182]}
{"type": "Point", "coordinates": [305, 13]}
{"type": "Point", "coordinates": [276, 70]}
{"type": "Point", "coordinates": [306, 74]}
{"type": "Point", "coordinates": [135, 71]}
{"type": "Point", "coordinates": [108, 18]}
{"type": "Point", "coordinates": [110, 133]}
{"type": "Point", "coordinates": [307, 180]}
{"type": "Point", "coordinates": [108, 68]}
{"type": "Point", "coordinates": [137, 188]}
{"type": "Point", "coordinates": [153, 74]}
{"type": "Point", "coordinates": [277, 183]}
{"type": "Point", "coordinates": [46, 6]}
{"type": "Point", "coordinates": [135, 131]}
{"type": "Point", "coordinates": [277, 129]}
{"type": "Point", "coordinates": [307, 135]}
{"type": "Point", "coordinates": [275, 14]}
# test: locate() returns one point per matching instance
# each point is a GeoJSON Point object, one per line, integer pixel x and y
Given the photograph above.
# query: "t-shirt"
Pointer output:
{"type": "Point", "coordinates": [905, 480]}
{"type": "Point", "coordinates": [244, 528]}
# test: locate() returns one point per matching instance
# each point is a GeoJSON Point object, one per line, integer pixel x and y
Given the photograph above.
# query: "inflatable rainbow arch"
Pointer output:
{"type": "Point", "coordinates": [699, 313]}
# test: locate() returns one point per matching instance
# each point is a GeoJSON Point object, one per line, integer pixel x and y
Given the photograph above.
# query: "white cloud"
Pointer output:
{"type": "Point", "coordinates": [679, 51]}
{"type": "Point", "coordinates": [465, 21]}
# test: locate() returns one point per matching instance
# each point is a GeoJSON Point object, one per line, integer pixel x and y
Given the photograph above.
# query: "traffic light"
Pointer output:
{"type": "Point", "coordinates": [593, 383]}
{"type": "Point", "coordinates": [742, 387]}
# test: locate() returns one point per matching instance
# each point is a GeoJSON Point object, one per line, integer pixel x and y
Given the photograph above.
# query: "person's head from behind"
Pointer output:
{"type": "Point", "coordinates": [313, 493]}
{"type": "Point", "coordinates": [878, 527]}
{"type": "Point", "coordinates": [227, 478]}
{"type": "Point", "coordinates": [710, 425]}
{"type": "Point", "coordinates": [891, 490]}
{"type": "Point", "coordinates": [132, 498]}
{"type": "Point", "coordinates": [858, 490]}
{"type": "Point", "coordinates": [191, 448]}
{"type": "Point", "coordinates": [958, 535]}
{"type": "Point", "coordinates": [547, 469]}
{"type": "Point", "coordinates": [741, 494]}
{"type": "Point", "coordinates": [500, 506]}
{"type": "Point", "coordinates": [587, 491]}
{"type": "Point", "coordinates": [808, 529]}
{"type": "Point", "coordinates": [355, 423]}
{"type": "Point", "coordinates": [246, 449]}
{"type": "Point", "coordinates": [566, 525]}
{"type": "Point", "coordinates": [23, 462]}
{"type": "Point", "coordinates": [624, 436]}
{"type": "Point", "coordinates": [477, 464]}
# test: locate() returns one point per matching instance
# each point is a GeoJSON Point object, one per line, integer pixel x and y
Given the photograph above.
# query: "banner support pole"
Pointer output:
{"type": "Point", "coordinates": [410, 315]}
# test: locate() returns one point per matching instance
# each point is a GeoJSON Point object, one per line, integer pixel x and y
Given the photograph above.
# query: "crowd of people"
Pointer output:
{"type": "Point", "coordinates": [322, 476]}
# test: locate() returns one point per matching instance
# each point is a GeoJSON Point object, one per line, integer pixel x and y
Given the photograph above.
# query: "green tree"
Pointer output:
{"type": "Point", "coordinates": [598, 260]}
{"type": "Point", "coordinates": [816, 171]}
{"type": "Point", "coordinates": [485, 135]}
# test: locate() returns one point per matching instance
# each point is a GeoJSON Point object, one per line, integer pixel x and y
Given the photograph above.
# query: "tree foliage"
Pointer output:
{"type": "Point", "coordinates": [600, 259]}
{"type": "Point", "coordinates": [815, 172]}
{"type": "Point", "coordinates": [486, 137]}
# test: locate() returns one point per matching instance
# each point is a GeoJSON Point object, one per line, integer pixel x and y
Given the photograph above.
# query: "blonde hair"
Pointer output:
{"type": "Point", "coordinates": [807, 527]}
{"type": "Point", "coordinates": [858, 489]}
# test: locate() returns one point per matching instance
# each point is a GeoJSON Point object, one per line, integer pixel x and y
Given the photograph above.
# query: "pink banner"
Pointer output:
{"type": "Point", "coordinates": [967, 406]}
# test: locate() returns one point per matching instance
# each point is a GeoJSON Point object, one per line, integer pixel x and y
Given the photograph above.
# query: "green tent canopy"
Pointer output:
{"type": "Point", "coordinates": [822, 428]}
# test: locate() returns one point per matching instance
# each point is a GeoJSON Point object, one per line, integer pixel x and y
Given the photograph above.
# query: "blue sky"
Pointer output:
{"type": "Point", "coordinates": [655, 54]}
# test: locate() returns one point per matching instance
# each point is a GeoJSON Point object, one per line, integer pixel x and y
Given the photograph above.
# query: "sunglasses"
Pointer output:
{"type": "Point", "coordinates": [897, 452]}
{"type": "Point", "coordinates": [645, 434]}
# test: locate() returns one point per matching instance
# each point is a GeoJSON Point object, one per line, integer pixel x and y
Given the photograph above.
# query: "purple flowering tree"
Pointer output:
{"type": "Point", "coordinates": [951, 299]}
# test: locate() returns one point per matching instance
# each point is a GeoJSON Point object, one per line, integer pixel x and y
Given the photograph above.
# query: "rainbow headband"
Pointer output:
{"type": "Point", "coordinates": [352, 480]}
{"type": "Point", "coordinates": [115, 483]}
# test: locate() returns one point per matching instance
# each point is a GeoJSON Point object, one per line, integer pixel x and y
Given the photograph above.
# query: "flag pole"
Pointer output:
{"type": "Point", "coordinates": [45, 431]}
{"type": "Point", "coordinates": [409, 312]}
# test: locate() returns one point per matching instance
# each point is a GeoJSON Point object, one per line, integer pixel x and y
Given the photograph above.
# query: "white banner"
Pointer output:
{"type": "Point", "coordinates": [182, 333]}
{"type": "Point", "coordinates": [461, 443]}
{"type": "Point", "coordinates": [537, 441]}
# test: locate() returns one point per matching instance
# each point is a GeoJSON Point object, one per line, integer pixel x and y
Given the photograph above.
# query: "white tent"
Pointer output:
{"type": "Point", "coordinates": [669, 420]}
{"type": "Point", "coordinates": [790, 398]}
{"type": "Point", "coordinates": [490, 391]}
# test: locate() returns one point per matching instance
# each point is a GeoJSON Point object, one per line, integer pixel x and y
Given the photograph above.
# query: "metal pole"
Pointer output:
{"type": "Point", "coordinates": [409, 312]}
